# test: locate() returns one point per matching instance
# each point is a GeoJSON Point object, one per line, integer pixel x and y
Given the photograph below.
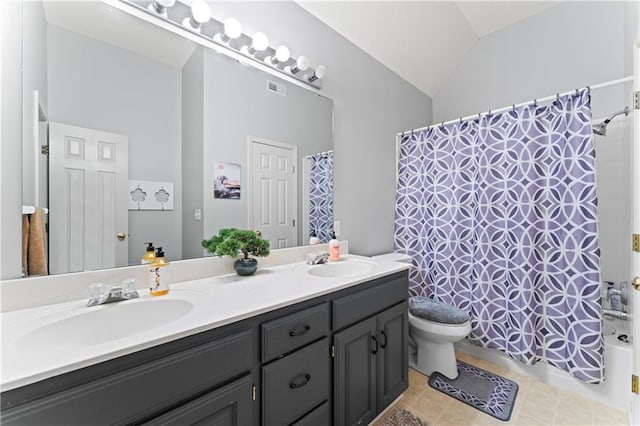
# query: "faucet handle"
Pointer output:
{"type": "Point", "coordinates": [96, 290]}
{"type": "Point", "coordinates": [129, 286]}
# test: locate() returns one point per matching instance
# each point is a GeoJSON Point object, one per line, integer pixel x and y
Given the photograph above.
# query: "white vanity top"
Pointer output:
{"type": "Point", "coordinates": [31, 354]}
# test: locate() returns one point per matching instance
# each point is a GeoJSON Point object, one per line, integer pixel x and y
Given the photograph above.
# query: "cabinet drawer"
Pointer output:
{"type": "Point", "coordinates": [141, 391]}
{"type": "Point", "coordinates": [320, 416]}
{"type": "Point", "coordinates": [227, 406]}
{"type": "Point", "coordinates": [293, 331]}
{"type": "Point", "coordinates": [295, 384]}
{"type": "Point", "coordinates": [356, 307]}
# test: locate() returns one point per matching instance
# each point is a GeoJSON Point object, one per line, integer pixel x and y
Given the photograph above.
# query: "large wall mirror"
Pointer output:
{"type": "Point", "coordinates": [199, 140]}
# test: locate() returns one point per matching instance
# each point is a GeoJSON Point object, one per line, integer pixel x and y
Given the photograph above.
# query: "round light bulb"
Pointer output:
{"type": "Point", "coordinates": [232, 28]}
{"type": "Point", "coordinates": [282, 53]}
{"type": "Point", "coordinates": [166, 3]}
{"type": "Point", "coordinates": [200, 11]}
{"type": "Point", "coordinates": [260, 42]}
{"type": "Point", "coordinates": [321, 71]}
{"type": "Point", "coordinates": [302, 63]}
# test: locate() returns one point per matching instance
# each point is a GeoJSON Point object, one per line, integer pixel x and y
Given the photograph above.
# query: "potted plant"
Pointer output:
{"type": "Point", "coordinates": [231, 242]}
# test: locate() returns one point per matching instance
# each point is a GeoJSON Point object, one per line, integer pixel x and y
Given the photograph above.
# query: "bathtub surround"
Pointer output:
{"type": "Point", "coordinates": [500, 216]}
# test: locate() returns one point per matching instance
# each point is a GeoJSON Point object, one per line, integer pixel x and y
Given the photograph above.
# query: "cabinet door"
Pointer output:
{"type": "Point", "coordinates": [231, 405]}
{"type": "Point", "coordinates": [355, 373]}
{"type": "Point", "coordinates": [392, 356]}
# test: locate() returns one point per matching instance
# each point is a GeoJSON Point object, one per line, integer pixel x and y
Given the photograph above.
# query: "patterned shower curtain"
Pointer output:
{"type": "Point", "coordinates": [500, 217]}
{"type": "Point", "coordinates": [321, 195]}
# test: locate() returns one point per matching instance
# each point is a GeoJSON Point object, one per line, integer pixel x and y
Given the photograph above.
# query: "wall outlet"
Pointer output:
{"type": "Point", "coordinates": [336, 227]}
{"type": "Point", "coordinates": [197, 215]}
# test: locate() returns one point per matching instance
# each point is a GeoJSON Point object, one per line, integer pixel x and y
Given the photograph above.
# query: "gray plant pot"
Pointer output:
{"type": "Point", "coordinates": [245, 266]}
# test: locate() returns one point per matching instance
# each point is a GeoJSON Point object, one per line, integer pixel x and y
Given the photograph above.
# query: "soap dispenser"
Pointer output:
{"type": "Point", "coordinates": [159, 279]}
{"type": "Point", "coordinates": [313, 239]}
{"type": "Point", "coordinates": [334, 248]}
{"type": "Point", "coordinates": [149, 254]}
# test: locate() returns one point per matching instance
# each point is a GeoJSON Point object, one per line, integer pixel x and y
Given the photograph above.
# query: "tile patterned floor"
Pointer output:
{"type": "Point", "coordinates": [537, 403]}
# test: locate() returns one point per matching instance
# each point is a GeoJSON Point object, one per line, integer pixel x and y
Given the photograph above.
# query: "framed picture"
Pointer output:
{"type": "Point", "coordinates": [226, 182]}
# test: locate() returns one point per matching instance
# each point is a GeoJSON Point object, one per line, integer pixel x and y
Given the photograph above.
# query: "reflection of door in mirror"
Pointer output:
{"type": "Point", "coordinates": [88, 199]}
{"type": "Point", "coordinates": [274, 191]}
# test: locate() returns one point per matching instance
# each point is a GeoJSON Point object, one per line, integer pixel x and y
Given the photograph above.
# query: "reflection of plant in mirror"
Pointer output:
{"type": "Point", "coordinates": [231, 241]}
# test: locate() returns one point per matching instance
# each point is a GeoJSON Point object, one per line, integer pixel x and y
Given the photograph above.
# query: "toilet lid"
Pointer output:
{"type": "Point", "coordinates": [433, 310]}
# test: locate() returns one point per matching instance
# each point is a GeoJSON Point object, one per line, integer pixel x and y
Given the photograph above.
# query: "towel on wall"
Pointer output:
{"type": "Point", "coordinates": [25, 244]}
{"type": "Point", "coordinates": [37, 246]}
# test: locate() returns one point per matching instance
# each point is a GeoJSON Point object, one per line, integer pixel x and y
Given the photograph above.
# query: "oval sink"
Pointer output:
{"type": "Point", "coordinates": [105, 323]}
{"type": "Point", "coordinates": [346, 268]}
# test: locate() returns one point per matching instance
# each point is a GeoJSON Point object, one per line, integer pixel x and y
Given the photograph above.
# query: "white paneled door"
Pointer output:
{"type": "Point", "coordinates": [88, 171]}
{"type": "Point", "coordinates": [273, 191]}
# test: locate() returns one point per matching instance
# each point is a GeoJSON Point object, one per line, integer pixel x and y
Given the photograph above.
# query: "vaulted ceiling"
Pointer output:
{"type": "Point", "coordinates": [421, 41]}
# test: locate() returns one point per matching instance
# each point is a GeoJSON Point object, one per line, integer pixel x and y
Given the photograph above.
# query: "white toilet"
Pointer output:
{"type": "Point", "coordinates": [432, 331]}
{"type": "Point", "coordinates": [434, 328]}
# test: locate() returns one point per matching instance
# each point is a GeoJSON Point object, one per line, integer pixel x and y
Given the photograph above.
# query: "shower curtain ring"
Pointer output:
{"type": "Point", "coordinates": [588, 90]}
{"type": "Point", "coordinates": [577, 92]}
{"type": "Point", "coordinates": [442, 124]}
{"type": "Point", "coordinates": [460, 120]}
{"type": "Point", "coordinates": [535, 102]}
{"type": "Point", "coordinates": [557, 97]}
{"type": "Point", "coordinates": [513, 108]}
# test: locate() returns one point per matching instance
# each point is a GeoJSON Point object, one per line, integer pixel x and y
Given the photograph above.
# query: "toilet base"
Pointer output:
{"type": "Point", "coordinates": [432, 357]}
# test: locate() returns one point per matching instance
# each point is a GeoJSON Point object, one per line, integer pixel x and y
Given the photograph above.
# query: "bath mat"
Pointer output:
{"type": "Point", "coordinates": [402, 417]}
{"type": "Point", "coordinates": [488, 392]}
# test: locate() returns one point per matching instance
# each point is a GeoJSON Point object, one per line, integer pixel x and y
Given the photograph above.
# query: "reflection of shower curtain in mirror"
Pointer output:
{"type": "Point", "coordinates": [321, 195]}
{"type": "Point", "coordinates": [500, 217]}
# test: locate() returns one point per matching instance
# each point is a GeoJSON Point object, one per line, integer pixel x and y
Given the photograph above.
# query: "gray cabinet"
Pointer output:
{"type": "Point", "coordinates": [370, 367]}
{"type": "Point", "coordinates": [273, 369]}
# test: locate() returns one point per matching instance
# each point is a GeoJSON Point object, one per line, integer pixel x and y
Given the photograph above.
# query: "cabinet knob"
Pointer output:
{"type": "Point", "coordinates": [121, 236]}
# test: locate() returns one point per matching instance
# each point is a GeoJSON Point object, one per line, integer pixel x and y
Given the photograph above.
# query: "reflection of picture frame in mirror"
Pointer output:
{"type": "Point", "coordinates": [226, 181]}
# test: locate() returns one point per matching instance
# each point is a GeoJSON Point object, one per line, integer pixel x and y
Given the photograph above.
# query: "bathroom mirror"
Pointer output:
{"type": "Point", "coordinates": [185, 113]}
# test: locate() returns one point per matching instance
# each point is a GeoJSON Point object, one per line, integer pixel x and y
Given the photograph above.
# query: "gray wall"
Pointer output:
{"type": "Point", "coordinates": [34, 77]}
{"type": "Point", "coordinates": [571, 45]}
{"type": "Point", "coordinates": [10, 140]}
{"type": "Point", "coordinates": [98, 86]}
{"type": "Point", "coordinates": [192, 164]}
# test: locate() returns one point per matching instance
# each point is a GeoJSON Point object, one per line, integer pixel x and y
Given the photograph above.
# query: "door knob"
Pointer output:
{"type": "Point", "coordinates": [636, 283]}
{"type": "Point", "coordinates": [121, 236]}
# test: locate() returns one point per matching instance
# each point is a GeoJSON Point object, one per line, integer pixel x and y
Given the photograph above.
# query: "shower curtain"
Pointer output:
{"type": "Point", "coordinates": [500, 217]}
{"type": "Point", "coordinates": [321, 195]}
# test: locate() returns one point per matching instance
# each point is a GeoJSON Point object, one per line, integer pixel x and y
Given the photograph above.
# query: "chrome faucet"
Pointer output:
{"type": "Point", "coordinates": [316, 259]}
{"type": "Point", "coordinates": [117, 293]}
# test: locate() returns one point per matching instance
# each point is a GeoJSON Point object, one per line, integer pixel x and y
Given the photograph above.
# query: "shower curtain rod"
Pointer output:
{"type": "Point", "coordinates": [324, 153]}
{"type": "Point", "coordinates": [506, 108]}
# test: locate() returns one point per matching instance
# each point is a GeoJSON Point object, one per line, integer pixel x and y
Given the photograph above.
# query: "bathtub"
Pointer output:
{"type": "Point", "coordinates": [618, 365]}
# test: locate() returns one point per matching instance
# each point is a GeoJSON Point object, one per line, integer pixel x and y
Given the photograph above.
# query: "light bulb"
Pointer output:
{"type": "Point", "coordinates": [200, 13]}
{"type": "Point", "coordinates": [260, 42]}
{"type": "Point", "coordinates": [282, 53]}
{"type": "Point", "coordinates": [232, 28]}
{"type": "Point", "coordinates": [320, 72]}
{"type": "Point", "coordinates": [302, 63]}
{"type": "Point", "coordinates": [160, 6]}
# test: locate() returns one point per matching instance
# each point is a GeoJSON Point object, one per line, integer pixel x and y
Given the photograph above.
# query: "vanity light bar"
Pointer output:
{"type": "Point", "coordinates": [186, 18]}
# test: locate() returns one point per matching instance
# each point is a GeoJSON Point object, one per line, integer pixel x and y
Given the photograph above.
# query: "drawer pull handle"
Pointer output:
{"type": "Point", "coordinates": [383, 345]}
{"type": "Point", "coordinates": [300, 383]}
{"type": "Point", "coordinates": [299, 331]}
{"type": "Point", "coordinates": [374, 351]}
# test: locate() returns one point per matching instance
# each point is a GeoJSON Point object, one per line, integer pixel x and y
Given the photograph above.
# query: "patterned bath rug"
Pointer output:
{"type": "Point", "coordinates": [488, 392]}
{"type": "Point", "coordinates": [402, 417]}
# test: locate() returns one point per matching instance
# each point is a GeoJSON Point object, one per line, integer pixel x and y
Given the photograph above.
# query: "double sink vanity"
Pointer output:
{"type": "Point", "coordinates": [293, 344]}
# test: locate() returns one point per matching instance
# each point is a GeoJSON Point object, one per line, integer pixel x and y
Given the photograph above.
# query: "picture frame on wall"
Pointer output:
{"type": "Point", "coordinates": [226, 181]}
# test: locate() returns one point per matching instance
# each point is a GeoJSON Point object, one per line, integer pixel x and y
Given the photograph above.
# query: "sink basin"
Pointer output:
{"type": "Point", "coordinates": [344, 268]}
{"type": "Point", "coordinates": [105, 323]}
